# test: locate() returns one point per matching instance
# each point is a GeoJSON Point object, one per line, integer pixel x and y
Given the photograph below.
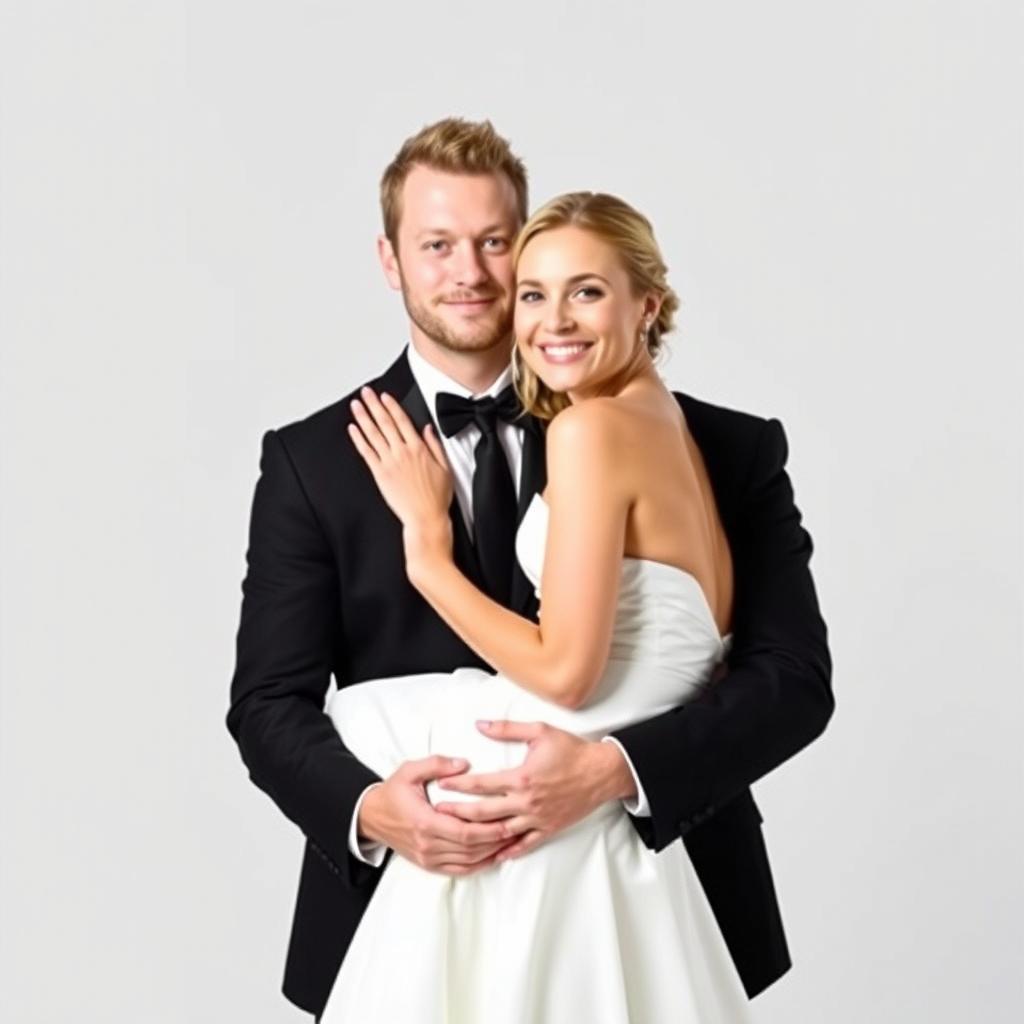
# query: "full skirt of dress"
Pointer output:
{"type": "Point", "coordinates": [591, 926]}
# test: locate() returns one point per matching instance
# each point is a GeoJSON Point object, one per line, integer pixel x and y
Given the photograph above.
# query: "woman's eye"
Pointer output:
{"type": "Point", "coordinates": [529, 296]}
{"type": "Point", "coordinates": [588, 291]}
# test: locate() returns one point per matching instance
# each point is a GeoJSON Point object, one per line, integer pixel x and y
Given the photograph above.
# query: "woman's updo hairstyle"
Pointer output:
{"type": "Point", "coordinates": [627, 231]}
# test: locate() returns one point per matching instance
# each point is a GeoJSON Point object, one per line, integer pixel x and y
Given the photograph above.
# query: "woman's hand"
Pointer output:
{"type": "Point", "coordinates": [412, 472]}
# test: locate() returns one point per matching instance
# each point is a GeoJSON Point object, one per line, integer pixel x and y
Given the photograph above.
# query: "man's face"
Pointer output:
{"type": "Point", "coordinates": [454, 257]}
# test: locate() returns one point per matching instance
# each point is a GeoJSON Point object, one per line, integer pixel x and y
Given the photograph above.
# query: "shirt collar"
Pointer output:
{"type": "Point", "coordinates": [430, 380]}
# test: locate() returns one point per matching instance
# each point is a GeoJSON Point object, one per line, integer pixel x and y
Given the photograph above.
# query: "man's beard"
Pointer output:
{"type": "Point", "coordinates": [475, 338]}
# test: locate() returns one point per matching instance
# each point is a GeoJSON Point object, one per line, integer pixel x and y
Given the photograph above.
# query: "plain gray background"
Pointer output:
{"type": "Point", "coordinates": [188, 213]}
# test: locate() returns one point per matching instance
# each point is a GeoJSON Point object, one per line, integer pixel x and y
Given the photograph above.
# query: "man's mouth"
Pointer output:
{"type": "Point", "coordinates": [470, 305]}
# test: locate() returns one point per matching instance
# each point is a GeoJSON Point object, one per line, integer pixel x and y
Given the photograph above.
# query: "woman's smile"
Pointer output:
{"type": "Point", "coordinates": [561, 352]}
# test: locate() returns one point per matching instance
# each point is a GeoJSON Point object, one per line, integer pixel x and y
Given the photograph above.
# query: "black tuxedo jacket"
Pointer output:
{"type": "Point", "coordinates": [326, 592]}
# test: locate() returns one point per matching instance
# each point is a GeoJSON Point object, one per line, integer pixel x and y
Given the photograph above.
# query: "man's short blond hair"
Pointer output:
{"type": "Point", "coordinates": [455, 146]}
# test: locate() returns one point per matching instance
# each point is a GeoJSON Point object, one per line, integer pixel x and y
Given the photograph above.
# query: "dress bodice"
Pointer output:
{"type": "Point", "coordinates": [663, 617]}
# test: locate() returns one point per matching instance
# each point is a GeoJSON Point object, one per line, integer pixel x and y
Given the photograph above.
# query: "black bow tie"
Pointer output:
{"type": "Point", "coordinates": [455, 413]}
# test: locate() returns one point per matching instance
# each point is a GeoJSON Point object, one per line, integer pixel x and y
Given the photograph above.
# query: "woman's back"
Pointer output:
{"type": "Point", "coordinates": [673, 517]}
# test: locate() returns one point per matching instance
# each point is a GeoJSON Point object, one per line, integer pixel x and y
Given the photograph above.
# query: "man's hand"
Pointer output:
{"type": "Point", "coordinates": [398, 814]}
{"type": "Point", "coordinates": [562, 780]}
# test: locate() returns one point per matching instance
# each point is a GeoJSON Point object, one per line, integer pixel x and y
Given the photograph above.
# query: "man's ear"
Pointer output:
{"type": "Point", "coordinates": [389, 262]}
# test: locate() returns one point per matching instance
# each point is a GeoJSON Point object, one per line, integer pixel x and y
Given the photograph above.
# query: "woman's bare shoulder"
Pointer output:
{"type": "Point", "coordinates": [585, 448]}
{"type": "Point", "coordinates": [596, 422]}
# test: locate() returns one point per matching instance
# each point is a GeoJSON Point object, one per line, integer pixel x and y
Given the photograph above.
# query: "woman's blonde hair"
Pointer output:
{"type": "Point", "coordinates": [630, 233]}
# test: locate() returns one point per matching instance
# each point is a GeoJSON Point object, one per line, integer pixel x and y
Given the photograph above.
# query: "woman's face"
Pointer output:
{"type": "Point", "coordinates": [577, 321]}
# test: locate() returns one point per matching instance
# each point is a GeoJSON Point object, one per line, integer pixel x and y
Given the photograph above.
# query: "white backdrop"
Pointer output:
{"type": "Point", "coordinates": [188, 212]}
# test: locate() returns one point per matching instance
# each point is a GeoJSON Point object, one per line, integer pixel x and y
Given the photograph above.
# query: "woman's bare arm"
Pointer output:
{"type": "Point", "coordinates": [563, 657]}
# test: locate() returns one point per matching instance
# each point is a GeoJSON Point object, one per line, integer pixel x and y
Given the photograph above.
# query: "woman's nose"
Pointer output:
{"type": "Point", "coordinates": [557, 319]}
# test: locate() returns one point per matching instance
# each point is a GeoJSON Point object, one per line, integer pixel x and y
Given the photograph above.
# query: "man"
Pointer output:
{"type": "Point", "coordinates": [326, 592]}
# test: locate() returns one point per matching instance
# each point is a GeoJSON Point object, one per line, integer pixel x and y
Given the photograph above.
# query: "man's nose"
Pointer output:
{"type": "Point", "coordinates": [470, 271]}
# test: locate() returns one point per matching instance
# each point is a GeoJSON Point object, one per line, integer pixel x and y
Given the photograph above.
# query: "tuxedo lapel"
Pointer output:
{"type": "Point", "coordinates": [411, 399]}
{"type": "Point", "coordinates": [532, 480]}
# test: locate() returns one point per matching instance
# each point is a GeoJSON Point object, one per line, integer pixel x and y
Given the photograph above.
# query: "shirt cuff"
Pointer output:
{"type": "Point", "coordinates": [364, 849]}
{"type": "Point", "coordinates": [638, 807]}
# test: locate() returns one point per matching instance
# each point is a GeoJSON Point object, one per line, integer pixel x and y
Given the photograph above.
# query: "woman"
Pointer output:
{"type": "Point", "coordinates": [635, 578]}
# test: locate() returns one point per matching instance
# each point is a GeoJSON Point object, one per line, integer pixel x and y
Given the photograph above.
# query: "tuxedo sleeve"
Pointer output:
{"type": "Point", "coordinates": [285, 652]}
{"type": "Point", "coordinates": [776, 695]}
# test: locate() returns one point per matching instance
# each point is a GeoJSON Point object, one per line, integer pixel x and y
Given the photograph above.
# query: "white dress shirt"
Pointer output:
{"type": "Point", "coordinates": [460, 451]}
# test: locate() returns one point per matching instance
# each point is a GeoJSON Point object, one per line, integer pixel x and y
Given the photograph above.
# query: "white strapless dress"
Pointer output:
{"type": "Point", "coordinates": [591, 926]}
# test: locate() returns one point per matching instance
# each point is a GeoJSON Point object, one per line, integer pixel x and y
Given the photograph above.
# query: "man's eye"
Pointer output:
{"type": "Point", "coordinates": [437, 245]}
{"type": "Point", "coordinates": [496, 244]}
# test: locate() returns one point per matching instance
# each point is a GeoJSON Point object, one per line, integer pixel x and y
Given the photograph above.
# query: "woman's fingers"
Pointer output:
{"type": "Point", "coordinates": [383, 418]}
{"type": "Point", "coordinates": [370, 457]}
{"type": "Point", "coordinates": [434, 445]}
{"type": "Point", "coordinates": [386, 425]}
{"type": "Point", "coordinates": [414, 479]}
{"type": "Point", "coordinates": [371, 432]}
{"type": "Point", "coordinates": [400, 418]}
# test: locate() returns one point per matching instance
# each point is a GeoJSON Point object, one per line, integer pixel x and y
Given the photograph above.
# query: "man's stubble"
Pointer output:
{"type": "Point", "coordinates": [483, 338]}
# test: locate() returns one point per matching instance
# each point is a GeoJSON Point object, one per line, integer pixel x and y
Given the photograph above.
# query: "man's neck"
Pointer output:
{"type": "Point", "coordinates": [475, 371]}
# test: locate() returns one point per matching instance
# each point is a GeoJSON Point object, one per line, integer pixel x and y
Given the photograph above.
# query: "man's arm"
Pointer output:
{"type": "Point", "coordinates": [289, 619]}
{"type": "Point", "coordinates": [776, 696]}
